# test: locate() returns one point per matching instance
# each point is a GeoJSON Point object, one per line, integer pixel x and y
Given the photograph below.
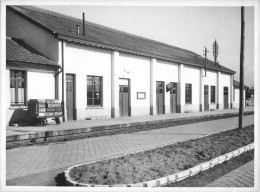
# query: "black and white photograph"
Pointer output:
{"type": "Point", "coordinates": [129, 96]}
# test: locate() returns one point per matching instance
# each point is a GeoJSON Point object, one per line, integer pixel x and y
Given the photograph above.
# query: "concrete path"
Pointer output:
{"type": "Point", "coordinates": [25, 161]}
{"type": "Point", "coordinates": [22, 130]}
{"type": "Point", "coordinates": [240, 177]}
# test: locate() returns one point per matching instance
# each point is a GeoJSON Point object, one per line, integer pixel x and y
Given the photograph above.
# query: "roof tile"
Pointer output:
{"type": "Point", "coordinates": [18, 51]}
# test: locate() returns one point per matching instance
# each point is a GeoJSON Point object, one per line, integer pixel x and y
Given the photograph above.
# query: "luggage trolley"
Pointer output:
{"type": "Point", "coordinates": [41, 109]}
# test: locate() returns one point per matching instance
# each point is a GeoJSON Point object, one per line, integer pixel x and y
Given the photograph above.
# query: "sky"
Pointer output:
{"type": "Point", "coordinates": [187, 27]}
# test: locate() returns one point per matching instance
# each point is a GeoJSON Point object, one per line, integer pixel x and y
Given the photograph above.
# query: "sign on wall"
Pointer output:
{"type": "Point", "coordinates": [141, 95]}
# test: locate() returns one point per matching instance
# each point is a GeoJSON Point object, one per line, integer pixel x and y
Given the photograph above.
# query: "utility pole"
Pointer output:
{"type": "Point", "coordinates": [241, 91]}
{"type": "Point", "coordinates": [215, 51]}
{"type": "Point", "coordinates": [205, 51]}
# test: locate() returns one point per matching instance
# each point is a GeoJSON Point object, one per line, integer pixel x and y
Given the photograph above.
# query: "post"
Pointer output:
{"type": "Point", "coordinates": [62, 77]}
{"type": "Point", "coordinates": [241, 98]}
{"type": "Point", "coordinates": [83, 23]}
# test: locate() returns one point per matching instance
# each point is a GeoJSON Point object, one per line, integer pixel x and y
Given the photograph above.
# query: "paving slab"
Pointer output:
{"type": "Point", "coordinates": [240, 177]}
{"type": "Point", "coordinates": [29, 160]}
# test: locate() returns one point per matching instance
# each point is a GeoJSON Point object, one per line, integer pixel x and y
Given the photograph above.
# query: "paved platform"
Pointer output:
{"type": "Point", "coordinates": [86, 128]}
{"type": "Point", "coordinates": [29, 160]}
{"type": "Point", "coordinates": [240, 177]}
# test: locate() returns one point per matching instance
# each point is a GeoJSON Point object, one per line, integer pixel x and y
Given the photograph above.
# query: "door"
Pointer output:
{"type": "Point", "coordinates": [70, 96]}
{"type": "Point", "coordinates": [225, 97]}
{"type": "Point", "coordinates": [160, 97]}
{"type": "Point", "coordinates": [124, 99]}
{"type": "Point", "coordinates": [206, 97]}
{"type": "Point", "coordinates": [173, 97]}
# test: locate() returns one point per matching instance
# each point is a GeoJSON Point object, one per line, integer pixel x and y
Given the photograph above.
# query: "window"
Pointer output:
{"type": "Point", "coordinates": [94, 91]}
{"type": "Point", "coordinates": [225, 90]}
{"type": "Point", "coordinates": [17, 88]}
{"type": "Point", "coordinates": [188, 93]}
{"type": "Point", "coordinates": [212, 94]}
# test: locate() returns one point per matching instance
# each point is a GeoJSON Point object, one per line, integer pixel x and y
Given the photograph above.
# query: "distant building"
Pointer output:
{"type": "Point", "coordinates": [237, 93]}
{"type": "Point", "coordinates": [104, 72]}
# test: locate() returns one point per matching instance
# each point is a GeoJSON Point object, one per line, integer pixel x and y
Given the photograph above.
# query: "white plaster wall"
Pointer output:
{"type": "Point", "coordinates": [167, 72]}
{"type": "Point", "coordinates": [191, 75]}
{"type": "Point", "coordinates": [224, 81]}
{"type": "Point", "coordinates": [137, 69]}
{"type": "Point", "coordinates": [40, 85]}
{"type": "Point", "coordinates": [18, 27]}
{"type": "Point", "coordinates": [83, 61]}
{"type": "Point", "coordinates": [210, 80]}
{"type": "Point", "coordinates": [236, 101]}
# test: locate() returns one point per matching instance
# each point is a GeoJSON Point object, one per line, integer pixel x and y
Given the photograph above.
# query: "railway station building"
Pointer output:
{"type": "Point", "coordinates": [99, 72]}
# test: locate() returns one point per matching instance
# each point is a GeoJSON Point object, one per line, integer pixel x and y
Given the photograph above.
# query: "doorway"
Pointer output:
{"type": "Point", "coordinates": [206, 98]}
{"type": "Point", "coordinates": [124, 98]}
{"type": "Point", "coordinates": [225, 97]}
{"type": "Point", "coordinates": [173, 98]}
{"type": "Point", "coordinates": [70, 96]}
{"type": "Point", "coordinates": [160, 97]}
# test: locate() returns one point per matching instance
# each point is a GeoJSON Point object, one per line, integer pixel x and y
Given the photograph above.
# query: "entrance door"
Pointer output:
{"type": "Point", "coordinates": [160, 97]}
{"type": "Point", "coordinates": [70, 94]}
{"type": "Point", "coordinates": [206, 97]}
{"type": "Point", "coordinates": [173, 98]}
{"type": "Point", "coordinates": [225, 97]}
{"type": "Point", "coordinates": [124, 99]}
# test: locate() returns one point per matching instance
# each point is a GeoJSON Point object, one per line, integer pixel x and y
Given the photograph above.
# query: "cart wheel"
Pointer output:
{"type": "Point", "coordinates": [57, 121]}
{"type": "Point", "coordinates": [44, 122]}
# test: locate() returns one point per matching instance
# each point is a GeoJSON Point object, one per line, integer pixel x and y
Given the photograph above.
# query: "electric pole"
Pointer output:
{"type": "Point", "coordinates": [215, 51]}
{"type": "Point", "coordinates": [205, 51]}
{"type": "Point", "coordinates": [241, 91]}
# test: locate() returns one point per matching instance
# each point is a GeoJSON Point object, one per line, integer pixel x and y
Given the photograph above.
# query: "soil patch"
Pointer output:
{"type": "Point", "coordinates": [163, 161]}
{"type": "Point", "coordinates": [205, 177]}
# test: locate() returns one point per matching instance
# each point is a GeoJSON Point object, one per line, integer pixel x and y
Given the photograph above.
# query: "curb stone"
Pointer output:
{"type": "Point", "coordinates": [168, 179]}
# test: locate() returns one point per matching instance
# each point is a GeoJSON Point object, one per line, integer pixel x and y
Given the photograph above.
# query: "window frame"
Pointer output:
{"type": "Point", "coordinates": [212, 87]}
{"type": "Point", "coordinates": [188, 93]}
{"type": "Point", "coordinates": [93, 91]}
{"type": "Point", "coordinates": [16, 103]}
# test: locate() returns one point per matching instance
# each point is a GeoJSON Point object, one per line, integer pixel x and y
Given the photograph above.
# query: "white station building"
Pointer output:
{"type": "Point", "coordinates": [101, 72]}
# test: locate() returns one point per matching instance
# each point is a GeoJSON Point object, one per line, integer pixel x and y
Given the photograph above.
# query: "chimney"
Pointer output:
{"type": "Point", "coordinates": [83, 23]}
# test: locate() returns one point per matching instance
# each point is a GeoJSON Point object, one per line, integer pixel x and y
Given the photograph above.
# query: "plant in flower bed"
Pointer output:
{"type": "Point", "coordinates": [163, 161]}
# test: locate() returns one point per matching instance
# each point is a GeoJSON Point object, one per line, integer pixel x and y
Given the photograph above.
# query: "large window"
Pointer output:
{"type": "Point", "coordinates": [188, 93]}
{"type": "Point", "coordinates": [212, 94]}
{"type": "Point", "coordinates": [17, 88]}
{"type": "Point", "coordinates": [94, 91]}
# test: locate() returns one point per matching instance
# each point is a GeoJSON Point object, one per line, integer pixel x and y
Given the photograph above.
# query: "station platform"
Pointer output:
{"type": "Point", "coordinates": [26, 135]}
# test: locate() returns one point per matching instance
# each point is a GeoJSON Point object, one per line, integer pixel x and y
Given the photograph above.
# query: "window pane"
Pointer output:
{"type": "Point", "coordinates": [94, 93]}
{"type": "Point", "coordinates": [90, 102]}
{"type": "Point", "coordinates": [17, 88]}
{"type": "Point", "coordinates": [97, 102]}
{"type": "Point", "coordinates": [188, 93]}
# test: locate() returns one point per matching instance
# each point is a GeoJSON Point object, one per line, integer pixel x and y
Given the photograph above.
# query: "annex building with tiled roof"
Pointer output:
{"type": "Point", "coordinates": [102, 72]}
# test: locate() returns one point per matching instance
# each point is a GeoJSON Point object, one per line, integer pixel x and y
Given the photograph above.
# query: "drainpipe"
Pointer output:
{"type": "Point", "coordinates": [62, 63]}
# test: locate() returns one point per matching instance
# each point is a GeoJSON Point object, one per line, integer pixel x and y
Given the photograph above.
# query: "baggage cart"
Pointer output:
{"type": "Point", "coordinates": [41, 109]}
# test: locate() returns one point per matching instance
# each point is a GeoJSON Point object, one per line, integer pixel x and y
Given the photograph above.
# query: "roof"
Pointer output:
{"type": "Point", "coordinates": [65, 28]}
{"type": "Point", "coordinates": [19, 51]}
{"type": "Point", "coordinates": [237, 85]}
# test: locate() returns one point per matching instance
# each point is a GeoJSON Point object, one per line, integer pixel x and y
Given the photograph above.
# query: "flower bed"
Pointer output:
{"type": "Point", "coordinates": [163, 161]}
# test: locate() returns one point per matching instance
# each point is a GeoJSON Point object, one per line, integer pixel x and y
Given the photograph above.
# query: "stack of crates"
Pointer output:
{"type": "Point", "coordinates": [45, 108]}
